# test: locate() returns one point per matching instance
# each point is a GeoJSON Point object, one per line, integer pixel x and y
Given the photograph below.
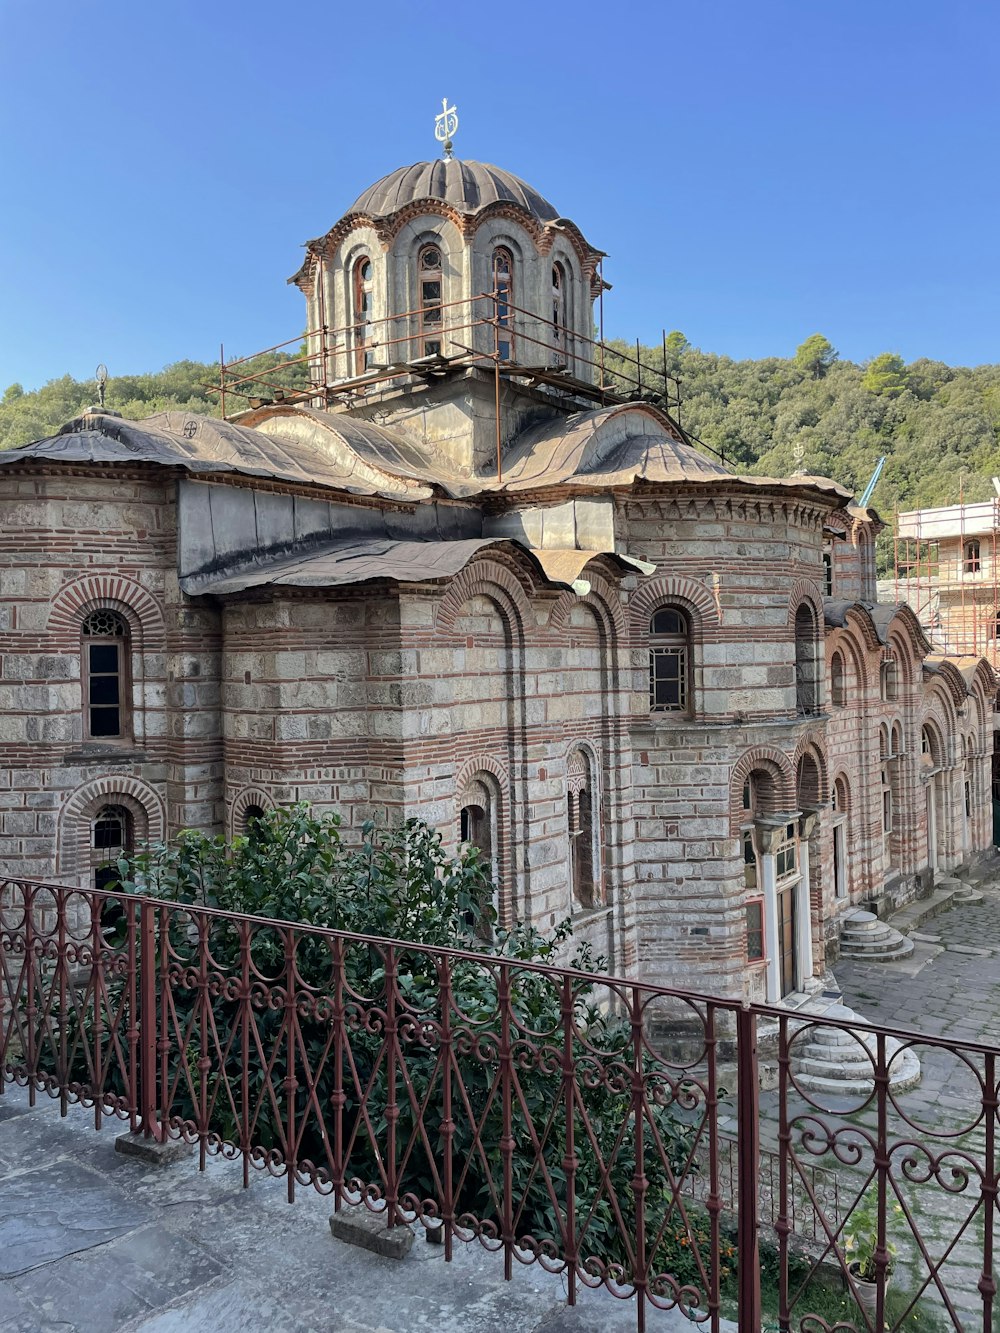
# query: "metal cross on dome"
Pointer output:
{"type": "Point", "coordinates": [445, 125]}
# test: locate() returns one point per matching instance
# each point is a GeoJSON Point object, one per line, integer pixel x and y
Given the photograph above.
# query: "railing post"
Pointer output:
{"type": "Point", "coordinates": [290, 1083]}
{"type": "Point", "coordinates": [782, 1224]}
{"type": "Point", "coordinates": [447, 1118]}
{"type": "Point", "coordinates": [338, 1098]}
{"type": "Point", "coordinates": [391, 1104]}
{"type": "Point", "coordinates": [748, 1148]}
{"type": "Point", "coordinates": [640, 1181]}
{"type": "Point", "coordinates": [991, 1103]}
{"type": "Point", "coordinates": [882, 1258]}
{"type": "Point", "coordinates": [507, 1127]}
{"type": "Point", "coordinates": [147, 1020]}
{"type": "Point", "coordinates": [570, 1161]}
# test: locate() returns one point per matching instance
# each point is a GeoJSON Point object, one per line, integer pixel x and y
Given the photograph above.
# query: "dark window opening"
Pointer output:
{"type": "Point", "coordinates": [503, 289]}
{"type": "Point", "coordinates": [364, 337]}
{"type": "Point", "coordinates": [669, 661]}
{"type": "Point", "coordinates": [251, 816]}
{"type": "Point", "coordinates": [756, 952]}
{"type": "Point", "coordinates": [806, 673]}
{"type": "Point", "coordinates": [105, 660]}
{"type": "Point", "coordinates": [838, 683]}
{"type": "Point", "coordinates": [580, 816]}
{"type": "Point", "coordinates": [475, 827]}
{"type": "Point", "coordinates": [111, 839]}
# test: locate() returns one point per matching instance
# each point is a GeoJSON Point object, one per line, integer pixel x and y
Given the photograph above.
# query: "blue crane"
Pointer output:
{"type": "Point", "coordinates": [869, 490]}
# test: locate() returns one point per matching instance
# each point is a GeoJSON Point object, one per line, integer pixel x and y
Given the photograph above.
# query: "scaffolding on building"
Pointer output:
{"type": "Point", "coordinates": [348, 366]}
{"type": "Point", "coordinates": [945, 567]}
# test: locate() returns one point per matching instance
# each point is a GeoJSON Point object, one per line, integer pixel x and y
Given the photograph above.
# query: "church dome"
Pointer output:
{"type": "Point", "coordinates": [467, 186]}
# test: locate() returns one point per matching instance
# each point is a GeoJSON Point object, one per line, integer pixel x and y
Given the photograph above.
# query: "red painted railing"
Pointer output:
{"type": "Point", "coordinates": [557, 1117]}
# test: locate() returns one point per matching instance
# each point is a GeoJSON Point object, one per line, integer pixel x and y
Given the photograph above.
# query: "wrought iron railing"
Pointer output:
{"type": "Point", "coordinates": [554, 1116]}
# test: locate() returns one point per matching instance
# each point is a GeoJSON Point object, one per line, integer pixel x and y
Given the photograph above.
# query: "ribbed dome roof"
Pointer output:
{"type": "Point", "coordinates": [467, 186]}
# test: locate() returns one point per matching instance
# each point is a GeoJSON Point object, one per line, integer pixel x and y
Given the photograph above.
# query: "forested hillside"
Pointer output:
{"type": "Point", "coordinates": [938, 424]}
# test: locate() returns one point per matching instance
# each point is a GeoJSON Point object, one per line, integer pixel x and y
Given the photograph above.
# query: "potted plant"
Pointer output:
{"type": "Point", "coordinates": [860, 1244]}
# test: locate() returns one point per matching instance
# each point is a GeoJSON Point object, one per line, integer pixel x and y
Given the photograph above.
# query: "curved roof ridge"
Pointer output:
{"type": "Point", "coordinates": [465, 184]}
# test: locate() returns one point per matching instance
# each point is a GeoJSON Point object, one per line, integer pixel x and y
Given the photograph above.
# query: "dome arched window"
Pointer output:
{"type": "Point", "coordinates": [364, 334]}
{"type": "Point", "coordinates": [429, 278]}
{"type": "Point", "coordinates": [503, 292]}
{"type": "Point", "coordinates": [558, 308]}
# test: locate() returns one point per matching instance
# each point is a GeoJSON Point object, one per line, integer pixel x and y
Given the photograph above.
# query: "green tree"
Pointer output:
{"type": "Point", "coordinates": [293, 866]}
{"type": "Point", "coordinates": [677, 343]}
{"type": "Point", "coordinates": [815, 356]}
{"type": "Point", "coordinates": [886, 374]}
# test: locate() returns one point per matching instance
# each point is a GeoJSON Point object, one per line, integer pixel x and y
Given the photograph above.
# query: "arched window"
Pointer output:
{"type": "Point", "coordinates": [889, 677]}
{"type": "Point", "coordinates": [584, 851]}
{"type": "Point", "coordinates": [841, 804]}
{"type": "Point", "coordinates": [364, 337]}
{"type": "Point", "coordinates": [558, 308]}
{"type": "Point", "coordinates": [669, 661]}
{"type": "Point", "coordinates": [754, 907]}
{"type": "Point", "coordinates": [105, 671]}
{"type": "Point", "coordinates": [251, 814]}
{"type": "Point", "coordinates": [429, 277]}
{"type": "Point", "coordinates": [477, 820]}
{"type": "Point", "coordinates": [112, 838]}
{"type": "Point", "coordinates": [806, 674]}
{"type": "Point", "coordinates": [838, 681]}
{"type": "Point", "coordinates": [970, 556]}
{"type": "Point", "coordinates": [828, 573]}
{"type": "Point", "coordinates": [503, 289]}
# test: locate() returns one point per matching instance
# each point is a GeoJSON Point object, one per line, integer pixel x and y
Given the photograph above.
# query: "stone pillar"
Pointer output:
{"type": "Point", "coordinates": [803, 915]}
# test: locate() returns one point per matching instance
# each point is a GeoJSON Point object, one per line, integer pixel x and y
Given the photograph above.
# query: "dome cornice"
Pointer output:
{"type": "Point", "coordinates": [387, 227]}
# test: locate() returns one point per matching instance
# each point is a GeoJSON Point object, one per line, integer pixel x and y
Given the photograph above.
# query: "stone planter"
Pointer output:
{"type": "Point", "coordinates": [865, 1292]}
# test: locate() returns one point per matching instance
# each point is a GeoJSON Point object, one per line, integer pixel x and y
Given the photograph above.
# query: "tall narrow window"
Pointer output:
{"type": "Point", "coordinates": [111, 839]}
{"type": "Point", "coordinates": [840, 802]}
{"type": "Point", "coordinates": [558, 308]}
{"type": "Point", "coordinates": [806, 683]}
{"type": "Point", "coordinates": [503, 288]}
{"type": "Point", "coordinates": [756, 952]}
{"type": "Point", "coordinates": [838, 683]}
{"type": "Point", "coordinates": [669, 660]}
{"type": "Point", "coordinates": [580, 822]}
{"type": "Point", "coordinates": [476, 821]}
{"type": "Point", "coordinates": [430, 300]}
{"type": "Point", "coordinates": [889, 677]}
{"type": "Point", "coordinates": [364, 337]}
{"type": "Point", "coordinates": [971, 558]}
{"type": "Point", "coordinates": [105, 675]}
{"type": "Point", "coordinates": [754, 906]}
{"type": "Point", "coordinates": [828, 573]}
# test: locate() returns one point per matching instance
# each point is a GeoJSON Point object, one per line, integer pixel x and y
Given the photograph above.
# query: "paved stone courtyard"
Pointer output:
{"type": "Point", "coordinates": [91, 1241]}
{"type": "Point", "coordinates": [949, 987]}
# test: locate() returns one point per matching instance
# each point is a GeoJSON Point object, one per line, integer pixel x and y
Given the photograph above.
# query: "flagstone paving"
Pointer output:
{"type": "Point", "coordinates": [949, 987]}
{"type": "Point", "coordinates": [91, 1241]}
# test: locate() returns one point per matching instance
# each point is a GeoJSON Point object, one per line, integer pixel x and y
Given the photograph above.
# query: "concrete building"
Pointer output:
{"type": "Point", "coordinates": [462, 574]}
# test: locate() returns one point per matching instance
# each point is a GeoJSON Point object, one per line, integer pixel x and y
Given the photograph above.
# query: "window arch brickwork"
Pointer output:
{"type": "Point", "coordinates": [243, 801]}
{"type": "Point", "coordinates": [76, 820]}
{"type": "Point", "coordinates": [670, 660]}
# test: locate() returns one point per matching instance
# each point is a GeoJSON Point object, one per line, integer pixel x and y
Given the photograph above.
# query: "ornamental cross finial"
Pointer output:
{"type": "Point", "coordinates": [445, 125]}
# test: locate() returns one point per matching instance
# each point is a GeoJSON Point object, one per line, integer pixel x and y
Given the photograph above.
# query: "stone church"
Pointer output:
{"type": "Point", "coordinates": [461, 573]}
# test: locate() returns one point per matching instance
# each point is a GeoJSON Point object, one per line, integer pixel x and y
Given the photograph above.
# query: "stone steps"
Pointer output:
{"type": "Point", "coordinates": [842, 1063]}
{"type": "Point", "coordinates": [866, 938]}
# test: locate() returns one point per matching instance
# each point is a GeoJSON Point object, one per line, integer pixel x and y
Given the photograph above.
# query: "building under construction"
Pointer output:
{"type": "Point", "coordinates": [945, 567]}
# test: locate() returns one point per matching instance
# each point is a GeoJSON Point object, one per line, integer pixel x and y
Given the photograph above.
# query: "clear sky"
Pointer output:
{"type": "Point", "coordinates": [758, 170]}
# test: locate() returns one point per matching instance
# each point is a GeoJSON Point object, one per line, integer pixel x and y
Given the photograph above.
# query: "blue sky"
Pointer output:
{"type": "Point", "coordinates": [757, 170]}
